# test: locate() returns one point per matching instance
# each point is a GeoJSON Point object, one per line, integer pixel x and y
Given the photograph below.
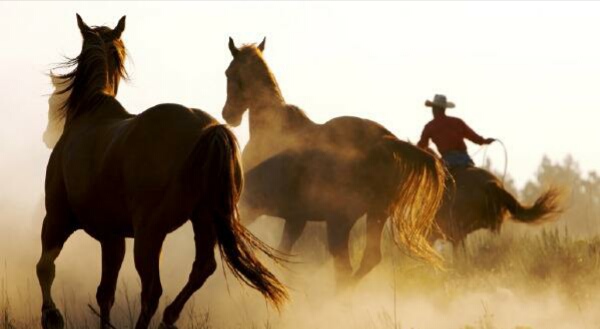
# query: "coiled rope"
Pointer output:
{"type": "Point", "coordinates": [485, 157]}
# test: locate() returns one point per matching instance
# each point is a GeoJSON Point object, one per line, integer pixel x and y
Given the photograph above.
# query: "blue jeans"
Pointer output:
{"type": "Point", "coordinates": [457, 159]}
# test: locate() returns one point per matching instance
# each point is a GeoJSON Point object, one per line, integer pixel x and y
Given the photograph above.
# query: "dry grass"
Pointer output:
{"type": "Point", "coordinates": [522, 263]}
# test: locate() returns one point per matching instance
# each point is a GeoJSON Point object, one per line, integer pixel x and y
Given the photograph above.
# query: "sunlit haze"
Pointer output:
{"type": "Point", "coordinates": [526, 73]}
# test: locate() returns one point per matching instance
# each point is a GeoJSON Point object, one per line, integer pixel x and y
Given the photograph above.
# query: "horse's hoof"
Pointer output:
{"type": "Point", "coordinates": [52, 319]}
{"type": "Point", "coordinates": [166, 326]}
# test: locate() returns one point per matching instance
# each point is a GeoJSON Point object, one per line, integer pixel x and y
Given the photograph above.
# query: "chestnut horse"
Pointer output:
{"type": "Point", "coordinates": [476, 199]}
{"type": "Point", "coordinates": [117, 175]}
{"type": "Point", "coordinates": [335, 172]}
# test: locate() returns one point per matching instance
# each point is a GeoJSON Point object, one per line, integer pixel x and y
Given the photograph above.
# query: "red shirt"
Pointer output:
{"type": "Point", "coordinates": [448, 134]}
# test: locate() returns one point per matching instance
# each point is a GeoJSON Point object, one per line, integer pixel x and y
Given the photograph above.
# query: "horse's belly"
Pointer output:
{"type": "Point", "coordinates": [102, 223]}
{"type": "Point", "coordinates": [104, 227]}
{"type": "Point", "coordinates": [103, 210]}
{"type": "Point", "coordinates": [324, 203]}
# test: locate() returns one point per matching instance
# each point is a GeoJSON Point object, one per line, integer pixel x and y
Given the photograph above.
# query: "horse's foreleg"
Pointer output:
{"type": "Point", "coordinates": [372, 255]}
{"type": "Point", "coordinates": [147, 246]}
{"type": "Point", "coordinates": [204, 266]}
{"type": "Point", "coordinates": [113, 252]}
{"type": "Point", "coordinates": [55, 231]}
{"type": "Point", "coordinates": [292, 230]}
{"type": "Point", "coordinates": [248, 215]}
{"type": "Point", "coordinates": [338, 235]}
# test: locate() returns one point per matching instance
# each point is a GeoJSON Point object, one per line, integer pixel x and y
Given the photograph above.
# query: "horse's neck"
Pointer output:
{"type": "Point", "coordinates": [273, 130]}
{"type": "Point", "coordinates": [277, 120]}
{"type": "Point", "coordinates": [109, 109]}
{"type": "Point", "coordinates": [266, 120]}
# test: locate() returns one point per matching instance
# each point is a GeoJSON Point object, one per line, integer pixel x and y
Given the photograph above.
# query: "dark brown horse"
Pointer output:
{"type": "Point", "coordinates": [476, 199]}
{"type": "Point", "coordinates": [334, 172]}
{"type": "Point", "coordinates": [117, 175]}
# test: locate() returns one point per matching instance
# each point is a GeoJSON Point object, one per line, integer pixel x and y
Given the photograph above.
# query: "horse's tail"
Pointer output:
{"type": "Point", "coordinates": [419, 182]}
{"type": "Point", "coordinates": [543, 209]}
{"type": "Point", "coordinates": [222, 180]}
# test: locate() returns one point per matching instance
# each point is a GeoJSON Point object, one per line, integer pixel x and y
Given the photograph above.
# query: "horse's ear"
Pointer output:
{"type": "Point", "coordinates": [82, 26]}
{"type": "Point", "coordinates": [261, 47]}
{"type": "Point", "coordinates": [233, 48]}
{"type": "Point", "coordinates": [119, 28]}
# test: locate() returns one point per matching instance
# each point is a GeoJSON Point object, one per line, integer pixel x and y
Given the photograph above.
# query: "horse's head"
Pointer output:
{"type": "Point", "coordinates": [98, 69]}
{"type": "Point", "coordinates": [114, 48]}
{"type": "Point", "coordinates": [249, 81]}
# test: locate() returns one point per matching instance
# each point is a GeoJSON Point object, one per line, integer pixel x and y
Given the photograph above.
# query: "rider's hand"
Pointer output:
{"type": "Point", "coordinates": [489, 140]}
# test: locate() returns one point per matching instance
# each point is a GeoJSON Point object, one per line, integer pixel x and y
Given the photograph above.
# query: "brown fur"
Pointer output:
{"type": "Point", "coordinates": [475, 199]}
{"type": "Point", "coordinates": [118, 175]}
{"type": "Point", "coordinates": [335, 172]}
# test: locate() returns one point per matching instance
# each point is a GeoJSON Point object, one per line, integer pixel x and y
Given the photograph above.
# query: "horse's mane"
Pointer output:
{"type": "Point", "coordinates": [91, 79]}
{"type": "Point", "coordinates": [296, 115]}
{"type": "Point", "coordinates": [56, 121]}
{"type": "Point", "coordinates": [263, 73]}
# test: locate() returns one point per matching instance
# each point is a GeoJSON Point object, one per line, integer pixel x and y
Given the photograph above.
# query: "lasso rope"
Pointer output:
{"type": "Point", "coordinates": [485, 157]}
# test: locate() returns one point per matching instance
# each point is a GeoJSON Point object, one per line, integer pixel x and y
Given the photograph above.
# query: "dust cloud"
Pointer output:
{"type": "Point", "coordinates": [522, 278]}
{"type": "Point", "coordinates": [399, 293]}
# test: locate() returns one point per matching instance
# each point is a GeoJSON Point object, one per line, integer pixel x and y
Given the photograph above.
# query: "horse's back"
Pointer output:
{"type": "Point", "coordinates": [161, 138]}
{"type": "Point", "coordinates": [114, 167]}
{"type": "Point", "coordinates": [143, 148]}
{"type": "Point", "coordinates": [353, 129]}
{"type": "Point", "coordinates": [350, 136]}
{"type": "Point", "coordinates": [473, 177]}
{"type": "Point", "coordinates": [471, 187]}
{"type": "Point", "coordinates": [174, 114]}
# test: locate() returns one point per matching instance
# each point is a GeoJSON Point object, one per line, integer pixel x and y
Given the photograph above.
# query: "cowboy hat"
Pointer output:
{"type": "Point", "coordinates": [439, 101]}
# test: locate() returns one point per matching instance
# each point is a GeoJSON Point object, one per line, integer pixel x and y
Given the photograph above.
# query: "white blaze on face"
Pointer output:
{"type": "Point", "coordinates": [56, 123]}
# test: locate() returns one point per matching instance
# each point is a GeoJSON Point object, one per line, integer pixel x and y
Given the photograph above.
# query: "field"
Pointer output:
{"type": "Point", "coordinates": [522, 278]}
{"type": "Point", "coordinates": [536, 277]}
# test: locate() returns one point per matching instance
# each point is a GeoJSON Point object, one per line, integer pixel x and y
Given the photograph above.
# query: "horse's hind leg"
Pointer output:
{"type": "Point", "coordinates": [204, 266]}
{"type": "Point", "coordinates": [338, 235]}
{"type": "Point", "coordinates": [55, 231]}
{"type": "Point", "coordinates": [292, 230]}
{"type": "Point", "coordinates": [146, 253]}
{"type": "Point", "coordinates": [372, 255]}
{"type": "Point", "coordinates": [113, 251]}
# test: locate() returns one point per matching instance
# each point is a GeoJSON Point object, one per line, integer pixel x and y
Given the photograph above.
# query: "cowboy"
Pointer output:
{"type": "Point", "coordinates": [448, 134]}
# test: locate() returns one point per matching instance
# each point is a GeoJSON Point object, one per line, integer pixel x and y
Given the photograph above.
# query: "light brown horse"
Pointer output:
{"type": "Point", "coordinates": [334, 172]}
{"type": "Point", "coordinates": [475, 199]}
{"type": "Point", "coordinates": [117, 175]}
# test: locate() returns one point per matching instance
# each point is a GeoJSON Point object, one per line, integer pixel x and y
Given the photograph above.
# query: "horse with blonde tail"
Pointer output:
{"type": "Point", "coordinates": [118, 175]}
{"type": "Point", "coordinates": [334, 172]}
{"type": "Point", "coordinates": [476, 199]}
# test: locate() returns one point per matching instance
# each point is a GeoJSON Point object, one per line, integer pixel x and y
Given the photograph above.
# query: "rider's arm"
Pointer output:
{"type": "Point", "coordinates": [471, 135]}
{"type": "Point", "coordinates": [424, 141]}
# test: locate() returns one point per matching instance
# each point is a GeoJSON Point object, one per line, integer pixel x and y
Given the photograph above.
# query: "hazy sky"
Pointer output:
{"type": "Point", "coordinates": [526, 73]}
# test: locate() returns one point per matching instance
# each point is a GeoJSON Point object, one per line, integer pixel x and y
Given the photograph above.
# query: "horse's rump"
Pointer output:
{"type": "Point", "coordinates": [112, 168]}
{"type": "Point", "coordinates": [476, 199]}
{"type": "Point", "coordinates": [470, 203]}
{"type": "Point", "coordinates": [350, 136]}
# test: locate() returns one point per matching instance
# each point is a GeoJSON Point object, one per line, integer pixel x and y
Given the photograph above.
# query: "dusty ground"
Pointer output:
{"type": "Point", "coordinates": [520, 279]}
